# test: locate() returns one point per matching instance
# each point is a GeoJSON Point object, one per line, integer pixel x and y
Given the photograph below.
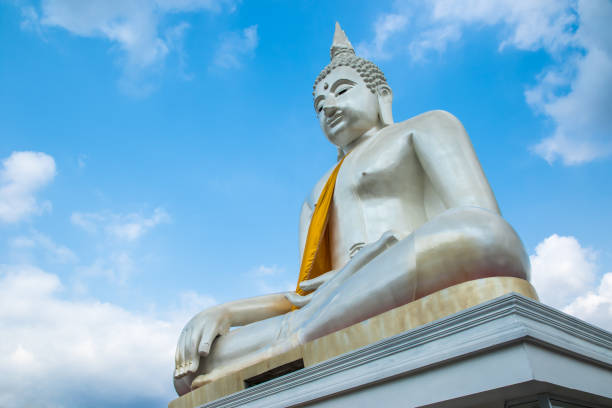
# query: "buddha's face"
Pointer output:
{"type": "Point", "coordinates": [346, 108]}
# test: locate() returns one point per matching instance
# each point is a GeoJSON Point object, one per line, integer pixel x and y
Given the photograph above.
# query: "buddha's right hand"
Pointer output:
{"type": "Point", "coordinates": [324, 285]}
{"type": "Point", "coordinates": [308, 285]}
{"type": "Point", "coordinates": [197, 337]}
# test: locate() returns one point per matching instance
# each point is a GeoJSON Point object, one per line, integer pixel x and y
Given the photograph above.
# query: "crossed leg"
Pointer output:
{"type": "Point", "coordinates": [459, 245]}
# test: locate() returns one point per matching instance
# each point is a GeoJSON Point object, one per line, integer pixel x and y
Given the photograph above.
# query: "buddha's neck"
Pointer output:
{"type": "Point", "coordinates": [361, 139]}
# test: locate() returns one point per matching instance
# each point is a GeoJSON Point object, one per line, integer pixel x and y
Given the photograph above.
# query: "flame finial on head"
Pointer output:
{"type": "Point", "coordinates": [341, 43]}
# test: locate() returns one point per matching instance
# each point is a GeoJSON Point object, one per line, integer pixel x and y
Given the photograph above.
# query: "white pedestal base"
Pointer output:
{"type": "Point", "coordinates": [500, 353]}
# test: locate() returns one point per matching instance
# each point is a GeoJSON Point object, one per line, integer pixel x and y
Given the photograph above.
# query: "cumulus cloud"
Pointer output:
{"type": "Point", "coordinates": [126, 227]}
{"type": "Point", "coordinates": [574, 92]}
{"type": "Point", "coordinates": [565, 276]}
{"type": "Point", "coordinates": [131, 26]}
{"type": "Point", "coordinates": [562, 270]}
{"type": "Point", "coordinates": [21, 176]}
{"type": "Point", "coordinates": [57, 352]}
{"type": "Point", "coordinates": [583, 123]}
{"type": "Point", "coordinates": [596, 305]}
{"type": "Point", "coordinates": [235, 46]}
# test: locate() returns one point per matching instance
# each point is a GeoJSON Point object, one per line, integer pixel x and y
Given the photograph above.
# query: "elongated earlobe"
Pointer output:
{"type": "Point", "coordinates": [385, 100]}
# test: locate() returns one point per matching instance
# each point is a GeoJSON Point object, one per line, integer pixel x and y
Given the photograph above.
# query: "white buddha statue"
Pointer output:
{"type": "Point", "coordinates": [410, 213]}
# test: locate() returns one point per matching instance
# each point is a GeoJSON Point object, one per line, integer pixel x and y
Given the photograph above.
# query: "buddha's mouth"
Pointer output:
{"type": "Point", "coordinates": [335, 120]}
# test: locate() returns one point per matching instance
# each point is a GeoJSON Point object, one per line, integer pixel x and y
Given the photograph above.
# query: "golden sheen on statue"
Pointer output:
{"type": "Point", "coordinates": [406, 213]}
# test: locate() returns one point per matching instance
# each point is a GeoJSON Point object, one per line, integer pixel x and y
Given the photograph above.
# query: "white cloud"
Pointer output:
{"type": "Point", "coordinates": [51, 250]}
{"type": "Point", "coordinates": [583, 130]}
{"type": "Point", "coordinates": [596, 305]}
{"type": "Point", "coordinates": [21, 176]}
{"type": "Point", "coordinates": [131, 26]}
{"type": "Point", "coordinates": [57, 352]}
{"type": "Point", "coordinates": [263, 270]}
{"type": "Point", "coordinates": [117, 259]}
{"type": "Point", "coordinates": [235, 46]}
{"type": "Point", "coordinates": [175, 39]}
{"type": "Point", "coordinates": [116, 266]}
{"type": "Point", "coordinates": [565, 276]}
{"type": "Point", "coordinates": [435, 39]}
{"type": "Point", "coordinates": [529, 25]}
{"type": "Point", "coordinates": [562, 270]}
{"type": "Point", "coordinates": [30, 20]}
{"type": "Point", "coordinates": [127, 227]}
{"type": "Point", "coordinates": [384, 27]}
{"type": "Point", "coordinates": [574, 92]}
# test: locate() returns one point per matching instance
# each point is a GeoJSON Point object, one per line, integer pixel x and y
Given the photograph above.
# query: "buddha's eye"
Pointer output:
{"type": "Point", "coordinates": [320, 108]}
{"type": "Point", "coordinates": [342, 91]}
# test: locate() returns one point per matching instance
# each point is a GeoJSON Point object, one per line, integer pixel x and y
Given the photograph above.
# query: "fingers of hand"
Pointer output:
{"type": "Point", "coordinates": [193, 354]}
{"type": "Point", "coordinates": [187, 358]}
{"type": "Point", "coordinates": [177, 360]}
{"type": "Point", "coordinates": [220, 327]}
{"type": "Point", "coordinates": [204, 348]}
{"type": "Point", "coordinates": [208, 335]}
{"type": "Point", "coordinates": [292, 297]}
{"type": "Point", "coordinates": [389, 238]}
{"type": "Point", "coordinates": [177, 354]}
{"type": "Point", "coordinates": [313, 284]}
{"type": "Point", "coordinates": [180, 361]}
{"type": "Point", "coordinates": [297, 300]}
{"type": "Point", "coordinates": [195, 341]}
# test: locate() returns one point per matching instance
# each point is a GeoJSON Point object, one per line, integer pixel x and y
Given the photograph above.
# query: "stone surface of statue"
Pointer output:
{"type": "Point", "coordinates": [412, 213]}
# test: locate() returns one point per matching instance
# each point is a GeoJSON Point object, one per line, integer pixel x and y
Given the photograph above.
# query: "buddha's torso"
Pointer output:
{"type": "Point", "coordinates": [381, 186]}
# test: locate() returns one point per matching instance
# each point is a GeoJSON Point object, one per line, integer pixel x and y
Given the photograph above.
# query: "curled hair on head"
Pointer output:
{"type": "Point", "coordinates": [369, 72]}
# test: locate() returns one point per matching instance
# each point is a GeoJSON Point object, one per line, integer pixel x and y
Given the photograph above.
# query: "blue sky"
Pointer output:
{"type": "Point", "coordinates": [154, 155]}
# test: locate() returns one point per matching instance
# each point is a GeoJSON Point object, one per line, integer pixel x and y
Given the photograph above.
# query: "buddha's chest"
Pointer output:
{"type": "Point", "coordinates": [385, 167]}
{"type": "Point", "coordinates": [379, 188]}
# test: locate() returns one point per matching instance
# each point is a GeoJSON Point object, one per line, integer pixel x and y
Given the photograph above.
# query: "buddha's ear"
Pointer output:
{"type": "Point", "coordinates": [385, 99]}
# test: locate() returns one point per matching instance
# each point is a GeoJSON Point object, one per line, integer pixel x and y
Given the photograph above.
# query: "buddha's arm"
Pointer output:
{"type": "Point", "coordinates": [448, 158]}
{"type": "Point", "coordinates": [245, 311]}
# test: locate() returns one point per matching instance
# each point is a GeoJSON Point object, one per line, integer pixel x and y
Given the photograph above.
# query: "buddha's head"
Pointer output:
{"type": "Point", "coordinates": [351, 95]}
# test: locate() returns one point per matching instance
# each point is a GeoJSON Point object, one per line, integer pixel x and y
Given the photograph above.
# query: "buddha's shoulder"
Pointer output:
{"type": "Point", "coordinates": [434, 120]}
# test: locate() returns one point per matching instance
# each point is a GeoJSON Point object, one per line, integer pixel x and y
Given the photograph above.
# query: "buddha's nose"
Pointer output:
{"type": "Point", "coordinates": [330, 106]}
{"type": "Point", "coordinates": [330, 109]}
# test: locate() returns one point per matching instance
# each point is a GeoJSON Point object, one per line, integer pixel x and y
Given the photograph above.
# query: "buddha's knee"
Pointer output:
{"type": "Point", "coordinates": [465, 244]}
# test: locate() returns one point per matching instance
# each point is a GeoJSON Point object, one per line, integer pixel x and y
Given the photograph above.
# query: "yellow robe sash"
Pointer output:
{"type": "Point", "coordinates": [316, 259]}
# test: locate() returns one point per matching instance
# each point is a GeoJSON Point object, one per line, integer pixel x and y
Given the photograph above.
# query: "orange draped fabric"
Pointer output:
{"type": "Point", "coordinates": [316, 259]}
